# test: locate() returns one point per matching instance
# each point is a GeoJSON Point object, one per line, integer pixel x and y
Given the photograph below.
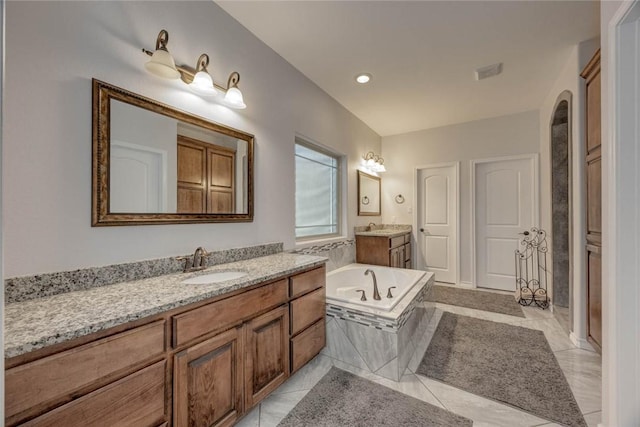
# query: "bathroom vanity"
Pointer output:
{"type": "Point", "coordinates": [387, 247]}
{"type": "Point", "coordinates": [166, 353]}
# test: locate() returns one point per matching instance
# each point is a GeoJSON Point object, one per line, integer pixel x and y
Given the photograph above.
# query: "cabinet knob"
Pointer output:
{"type": "Point", "coordinates": [422, 230]}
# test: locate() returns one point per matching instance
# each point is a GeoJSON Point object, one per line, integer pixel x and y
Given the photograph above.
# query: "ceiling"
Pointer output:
{"type": "Point", "coordinates": [423, 54]}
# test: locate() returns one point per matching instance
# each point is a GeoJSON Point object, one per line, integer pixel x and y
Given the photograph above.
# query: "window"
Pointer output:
{"type": "Point", "coordinates": [317, 192]}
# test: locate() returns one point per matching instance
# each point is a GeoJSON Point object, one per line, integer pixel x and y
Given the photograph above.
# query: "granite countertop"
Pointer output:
{"type": "Point", "coordinates": [38, 323]}
{"type": "Point", "coordinates": [384, 232]}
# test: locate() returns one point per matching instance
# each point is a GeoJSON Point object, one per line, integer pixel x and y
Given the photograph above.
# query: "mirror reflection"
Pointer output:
{"type": "Point", "coordinates": [368, 194]}
{"type": "Point", "coordinates": [154, 164]}
{"type": "Point", "coordinates": [159, 164]}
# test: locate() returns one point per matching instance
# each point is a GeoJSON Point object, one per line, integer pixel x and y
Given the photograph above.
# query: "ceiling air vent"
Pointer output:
{"type": "Point", "coordinates": [488, 71]}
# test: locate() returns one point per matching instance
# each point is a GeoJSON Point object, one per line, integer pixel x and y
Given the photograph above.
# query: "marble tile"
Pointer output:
{"type": "Point", "coordinates": [375, 347]}
{"type": "Point", "coordinates": [410, 385]}
{"type": "Point", "coordinates": [556, 336]}
{"type": "Point", "coordinates": [390, 370]}
{"type": "Point", "coordinates": [340, 348]}
{"type": "Point", "coordinates": [479, 314]}
{"type": "Point", "coordinates": [422, 343]}
{"type": "Point", "coordinates": [252, 419]}
{"type": "Point", "coordinates": [583, 371]}
{"type": "Point", "coordinates": [307, 376]}
{"type": "Point", "coordinates": [275, 407]}
{"type": "Point", "coordinates": [483, 412]}
{"type": "Point", "coordinates": [593, 419]}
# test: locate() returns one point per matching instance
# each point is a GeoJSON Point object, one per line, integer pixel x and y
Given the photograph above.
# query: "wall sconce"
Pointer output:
{"type": "Point", "coordinates": [199, 79]}
{"type": "Point", "coordinates": [373, 162]}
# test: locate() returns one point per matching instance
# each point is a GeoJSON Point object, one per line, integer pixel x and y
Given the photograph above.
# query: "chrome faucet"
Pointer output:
{"type": "Point", "coordinates": [371, 225]}
{"type": "Point", "coordinates": [195, 262]}
{"type": "Point", "coordinates": [376, 294]}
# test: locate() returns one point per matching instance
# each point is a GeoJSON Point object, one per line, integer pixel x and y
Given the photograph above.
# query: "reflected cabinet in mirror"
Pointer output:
{"type": "Point", "coordinates": [154, 164]}
{"type": "Point", "coordinates": [368, 195]}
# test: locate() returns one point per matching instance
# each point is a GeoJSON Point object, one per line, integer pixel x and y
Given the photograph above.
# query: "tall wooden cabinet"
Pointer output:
{"type": "Point", "coordinates": [205, 177]}
{"type": "Point", "coordinates": [593, 173]}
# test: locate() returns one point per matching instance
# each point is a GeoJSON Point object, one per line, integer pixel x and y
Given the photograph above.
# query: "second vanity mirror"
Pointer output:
{"type": "Point", "coordinates": [368, 195]}
{"type": "Point", "coordinates": [154, 164]}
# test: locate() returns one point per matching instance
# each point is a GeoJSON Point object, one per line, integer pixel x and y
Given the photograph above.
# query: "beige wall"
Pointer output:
{"type": "Point", "coordinates": [53, 49]}
{"type": "Point", "coordinates": [497, 137]}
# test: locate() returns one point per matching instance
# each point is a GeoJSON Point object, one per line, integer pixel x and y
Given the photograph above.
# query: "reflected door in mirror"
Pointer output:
{"type": "Point", "coordinates": [205, 177]}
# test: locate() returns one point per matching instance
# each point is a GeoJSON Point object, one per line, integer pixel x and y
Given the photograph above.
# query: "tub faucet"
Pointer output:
{"type": "Point", "coordinates": [376, 294]}
{"type": "Point", "coordinates": [196, 261]}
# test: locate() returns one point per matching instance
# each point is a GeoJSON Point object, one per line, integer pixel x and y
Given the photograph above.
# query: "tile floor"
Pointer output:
{"type": "Point", "coordinates": [581, 368]}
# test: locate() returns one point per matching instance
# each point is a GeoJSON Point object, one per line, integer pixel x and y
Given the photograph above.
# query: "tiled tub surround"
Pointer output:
{"type": "Point", "coordinates": [38, 323]}
{"type": "Point", "coordinates": [338, 254]}
{"type": "Point", "coordinates": [42, 285]}
{"type": "Point", "coordinates": [379, 341]}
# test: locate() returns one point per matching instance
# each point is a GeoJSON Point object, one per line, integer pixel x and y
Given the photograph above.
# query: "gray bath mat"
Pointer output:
{"type": "Point", "coordinates": [480, 300]}
{"type": "Point", "coordinates": [507, 363]}
{"type": "Point", "coordinates": [344, 399]}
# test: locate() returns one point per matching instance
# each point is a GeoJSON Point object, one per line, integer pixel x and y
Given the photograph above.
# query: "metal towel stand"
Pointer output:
{"type": "Point", "coordinates": [531, 269]}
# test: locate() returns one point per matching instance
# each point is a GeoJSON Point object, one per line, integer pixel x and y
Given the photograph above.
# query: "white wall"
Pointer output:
{"type": "Point", "coordinates": [620, 296]}
{"type": "Point", "coordinates": [496, 137]}
{"type": "Point", "coordinates": [53, 49]}
{"type": "Point", "coordinates": [2, 101]}
{"type": "Point", "coordinates": [569, 79]}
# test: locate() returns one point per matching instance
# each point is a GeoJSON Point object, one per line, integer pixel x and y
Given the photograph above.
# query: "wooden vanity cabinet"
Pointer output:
{"type": "Point", "coordinates": [383, 250]}
{"type": "Point", "coordinates": [208, 383]}
{"type": "Point", "coordinates": [267, 354]}
{"type": "Point", "coordinates": [307, 315]}
{"type": "Point", "coordinates": [203, 365]}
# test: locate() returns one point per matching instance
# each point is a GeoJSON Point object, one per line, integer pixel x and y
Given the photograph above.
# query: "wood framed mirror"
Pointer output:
{"type": "Point", "coordinates": [368, 194]}
{"type": "Point", "coordinates": [155, 164]}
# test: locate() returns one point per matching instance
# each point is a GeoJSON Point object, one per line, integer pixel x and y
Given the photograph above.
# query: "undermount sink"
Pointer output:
{"type": "Point", "coordinates": [221, 276]}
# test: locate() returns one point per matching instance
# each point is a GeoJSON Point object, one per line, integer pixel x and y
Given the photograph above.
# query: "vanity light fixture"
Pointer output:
{"type": "Point", "coordinates": [199, 80]}
{"type": "Point", "coordinates": [233, 98]}
{"type": "Point", "coordinates": [374, 162]}
{"type": "Point", "coordinates": [161, 63]}
{"type": "Point", "coordinates": [202, 82]}
{"type": "Point", "coordinates": [363, 78]}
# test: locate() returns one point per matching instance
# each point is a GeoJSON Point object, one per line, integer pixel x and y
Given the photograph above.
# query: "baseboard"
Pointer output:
{"type": "Point", "coordinates": [466, 285]}
{"type": "Point", "coordinates": [580, 342]}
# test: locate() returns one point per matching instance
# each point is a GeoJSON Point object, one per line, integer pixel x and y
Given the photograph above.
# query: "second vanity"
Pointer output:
{"type": "Point", "coordinates": [158, 352]}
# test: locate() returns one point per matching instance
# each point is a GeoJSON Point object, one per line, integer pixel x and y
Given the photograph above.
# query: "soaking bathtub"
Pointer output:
{"type": "Point", "coordinates": [377, 336]}
{"type": "Point", "coordinates": [343, 285]}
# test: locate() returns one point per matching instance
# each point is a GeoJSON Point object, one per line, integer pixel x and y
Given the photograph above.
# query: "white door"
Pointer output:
{"type": "Point", "coordinates": [438, 221]}
{"type": "Point", "coordinates": [505, 194]}
{"type": "Point", "coordinates": [138, 179]}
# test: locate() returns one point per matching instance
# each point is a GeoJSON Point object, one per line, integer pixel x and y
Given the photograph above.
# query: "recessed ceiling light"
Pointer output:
{"type": "Point", "coordinates": [363, 78]}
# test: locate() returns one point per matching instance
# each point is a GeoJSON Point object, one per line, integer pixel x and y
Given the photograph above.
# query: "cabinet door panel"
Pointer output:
{"type": "Point", "coordinates": [267, 354]}
{"type": "Point", "coordinates": [207, 382]}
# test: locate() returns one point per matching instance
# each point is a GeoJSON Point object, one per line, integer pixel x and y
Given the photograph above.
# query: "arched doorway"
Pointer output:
{"type": "Point", "coordinates": [561, 209]}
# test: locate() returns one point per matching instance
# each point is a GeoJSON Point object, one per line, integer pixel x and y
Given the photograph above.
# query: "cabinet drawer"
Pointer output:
{"type": "Point", "coordinates": [394, 242]}
{"type": "Point", "coordinates": [136, 400]}
{"type": "Point", "coordinates": [307, 310]}
{"type": "Point", "coordinates": [32, 387]}
{"type": "Point", "coordinates": [407, 238]}
{"type": "Point", "coordinates": [225, 313]}
{"type": "Point", "coordinates": [305, 282]}
{"type": "Point", "coordinates": [306, 345]}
